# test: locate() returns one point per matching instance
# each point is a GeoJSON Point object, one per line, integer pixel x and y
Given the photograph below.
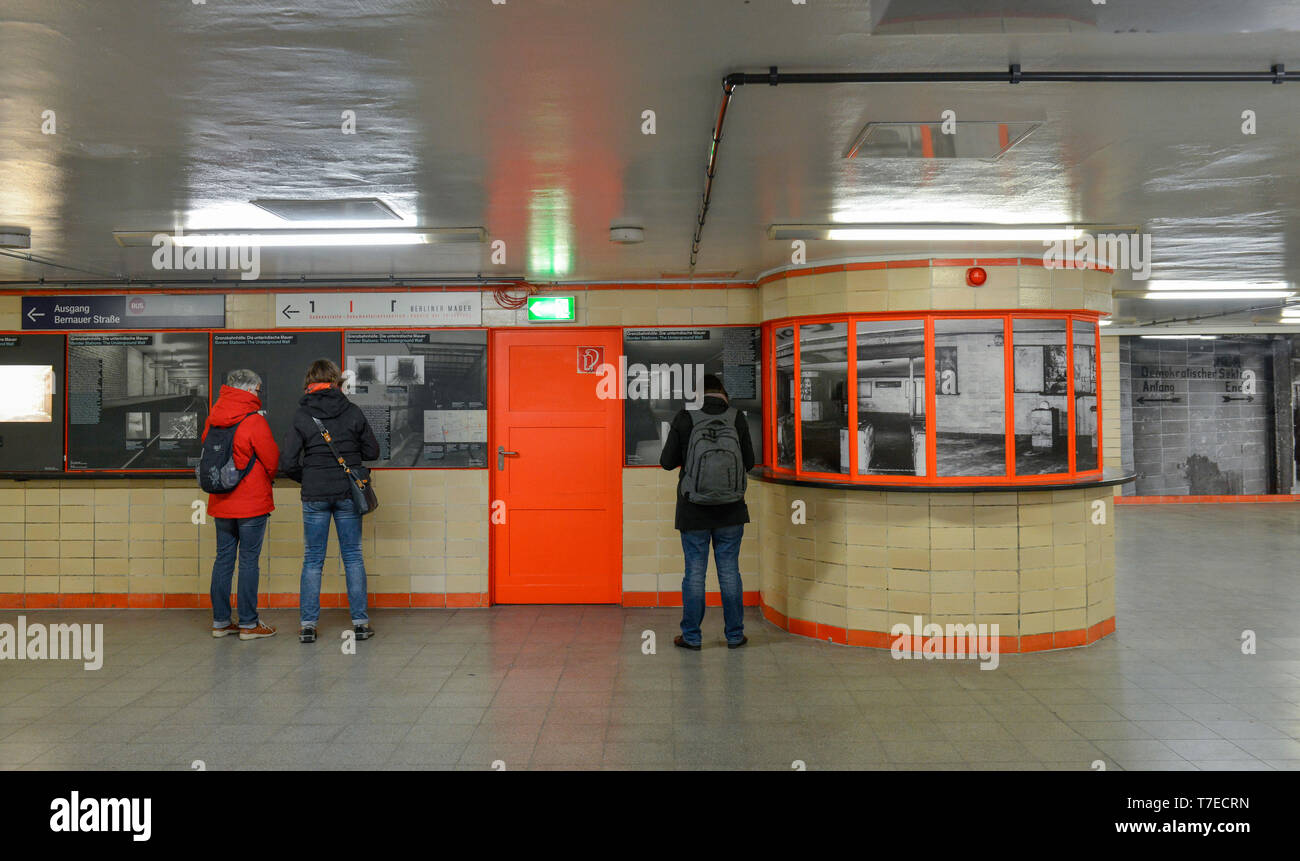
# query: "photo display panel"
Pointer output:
{"type": "Point", "coordinates": [656, 361]}
{"type": "Point", "coordinates": [281, 359]}
{"type": "Point", "coordinates": [31, 403]}
{"type": "Point", "coordinates": [136, 401]}
{"type": "Point", "coordinates": [423, 392]}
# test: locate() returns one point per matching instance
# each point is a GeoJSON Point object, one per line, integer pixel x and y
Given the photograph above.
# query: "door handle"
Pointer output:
{"type": "Point", "coordinates": [502, 454]}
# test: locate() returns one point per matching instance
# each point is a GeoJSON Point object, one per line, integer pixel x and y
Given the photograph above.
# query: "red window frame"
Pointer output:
{"type": "Point", "coordinates": [927, 319]}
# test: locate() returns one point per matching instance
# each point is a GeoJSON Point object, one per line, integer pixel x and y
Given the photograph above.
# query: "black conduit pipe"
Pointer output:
{"type": "Point", "coordinates": [1014, 75]}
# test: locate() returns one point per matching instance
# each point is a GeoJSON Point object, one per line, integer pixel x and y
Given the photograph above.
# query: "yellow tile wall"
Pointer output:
{"type": "Point", "coordinates": [137, 535]}
{"type": "Point", "coordinates": [864, 560]}
{"type": "Point", "coordinates": [652, 548]}
{"type": "Point", "coordinates": [935, 288]}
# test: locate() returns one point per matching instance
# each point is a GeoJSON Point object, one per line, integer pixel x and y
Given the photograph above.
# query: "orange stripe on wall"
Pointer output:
{"type": "Point", "coordinates": [1164, 500]}
{"type": "Point", "coordinates": [674, 599]}
{"type": "Point", "coordinates": [880, 640]}
{"type": "Point", "coordinates": [190, 601]}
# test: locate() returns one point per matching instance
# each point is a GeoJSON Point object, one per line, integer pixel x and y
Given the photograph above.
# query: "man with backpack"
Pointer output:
{"type": "Point", "coordinates": [238, 461]}
{"type": "Point", "coordinates": [713, 449]}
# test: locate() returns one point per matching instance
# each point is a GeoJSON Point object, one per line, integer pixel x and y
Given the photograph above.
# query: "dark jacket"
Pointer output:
{"type": "Point", "coordinates": [305, 456]}
{"type": "Point", "coordinates": [689, 515]}
{"type": "Point", "coordinates": [252, 496]}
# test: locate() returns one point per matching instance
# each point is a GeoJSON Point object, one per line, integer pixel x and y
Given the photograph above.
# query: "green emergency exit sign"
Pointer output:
{"type": "Point", "coordinates": [552, 309]}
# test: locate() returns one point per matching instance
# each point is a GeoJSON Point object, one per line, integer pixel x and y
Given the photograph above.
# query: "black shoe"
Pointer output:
{"type": "Point", "coordinates": [678, 641]}
{"type": "Point", "coordinates": [743, 641]}
{"type": "Point", "coordinates": [307, 634]}
{"type": "Point", "coordinates": [363, 632]}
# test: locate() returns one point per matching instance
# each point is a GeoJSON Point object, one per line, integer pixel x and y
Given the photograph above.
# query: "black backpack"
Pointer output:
{"type": "Point", "coordinates": [216, 471]}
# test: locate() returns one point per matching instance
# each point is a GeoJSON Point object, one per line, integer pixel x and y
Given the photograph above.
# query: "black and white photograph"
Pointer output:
{"type": "Point", "coordinates": [824, 397]}
{"type": "Point", "coordinates": [424, 394]}
{"type": "Point", "coordinates": [120, 388]}
{"type": "Point", "coordinates": [970, 400]}
{"type": "Point", "coordinates": [1087, 452]}
{"type": "Point", "coordinates": [31, 403]}
{"type": "Point", "coordinates": [355, 446]}
{"type": "Point", "coordinates": [1042, 428]}
{"type": "Point", "coordinates": [730, 352]}
{"type": "Point", "coordinates": [891, 398]}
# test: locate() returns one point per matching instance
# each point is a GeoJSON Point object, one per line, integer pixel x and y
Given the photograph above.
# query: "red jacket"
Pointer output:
{"type": "Point", "coordinates": [252, 497]}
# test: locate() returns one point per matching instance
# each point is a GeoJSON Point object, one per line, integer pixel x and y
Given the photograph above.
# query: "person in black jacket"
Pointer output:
{"type": "Point", "coordinates": [306, 458]}
{"type": "Point", "coordinates": [723, 524]}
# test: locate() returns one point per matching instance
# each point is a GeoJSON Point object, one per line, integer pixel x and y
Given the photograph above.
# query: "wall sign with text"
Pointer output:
{"type": "Point", "coordinates": [336, 310]}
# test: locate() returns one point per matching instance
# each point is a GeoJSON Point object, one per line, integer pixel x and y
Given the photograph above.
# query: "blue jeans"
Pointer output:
{"type": "Point", "coordinates": [316, 535]}
{"type": "Point", "coordinates": [726, 553]}
{"type": "Point", "coordinates": [240, 536]}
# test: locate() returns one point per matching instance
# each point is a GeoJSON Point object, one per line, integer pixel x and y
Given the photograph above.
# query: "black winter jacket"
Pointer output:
{"type": "Point", "coordinates": [689, 515]}
{"type": "Point", "coordinates": [305, 457]}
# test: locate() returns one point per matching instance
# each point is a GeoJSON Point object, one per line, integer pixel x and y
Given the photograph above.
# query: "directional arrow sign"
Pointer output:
{"type": "Point", "coordinates": [32, 315]}
{"type": "Point", "coordinates": [287, 310]}
{"type": "Point", "coordinates": [1248, 399]}
{"type": "Point", "coordinates": [1146, 400]}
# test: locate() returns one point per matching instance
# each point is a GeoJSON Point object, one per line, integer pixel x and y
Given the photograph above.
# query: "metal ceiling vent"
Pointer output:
{"type": "Point", "coordinates": [970, 139]}
{"type": "Point", "coordinates": [336, 209]}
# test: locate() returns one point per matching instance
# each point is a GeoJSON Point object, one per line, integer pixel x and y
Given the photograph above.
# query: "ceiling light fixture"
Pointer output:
{"type": "Point", "coordinates": [1217, 285]}
{"type": "Point", "coordinates": [1219, 294]}
{"type": "Point", "coordinates": [1181, 337]}
{"type": "Point", "coordinates": [929, 232]}
{"type": "Point", "coordinates": [290, 238]}
{"type": "Point", "coordinates": [15, 237]}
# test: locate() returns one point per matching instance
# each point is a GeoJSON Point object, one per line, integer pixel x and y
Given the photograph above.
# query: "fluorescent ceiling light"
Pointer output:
{"type": "Point", "coordinates": [346, 209]}
{"type": "Point", "coordinates": [1217, 285]}
{"type": "Point", "coordinates": [1181, 337]}
{"type": "Point", "coordinates": [324, 237]}
{"type": "Point", "coordinates": [927, 232]}
{"type": "Point", "coordinates": [1219, 294]}
{"type": "Point", "coordinates": [1104, 322]}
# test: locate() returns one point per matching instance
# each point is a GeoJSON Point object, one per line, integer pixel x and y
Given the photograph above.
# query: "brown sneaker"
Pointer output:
{"type": "Point", "coordinates": [262, 630]}
{"type": "Point", "coordinates": [232, 628]}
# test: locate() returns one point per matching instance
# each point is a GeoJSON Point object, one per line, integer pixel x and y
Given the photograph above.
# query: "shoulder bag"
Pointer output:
{"type": "Point", "coordinates": [363, 493]}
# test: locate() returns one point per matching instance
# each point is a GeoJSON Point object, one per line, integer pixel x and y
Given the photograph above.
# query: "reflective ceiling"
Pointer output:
{"type": "Point", "coordinates": [525, 118]}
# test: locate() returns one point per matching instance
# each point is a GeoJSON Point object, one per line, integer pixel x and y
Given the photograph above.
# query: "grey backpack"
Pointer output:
{"type": "Point", "coordinates": [714, 472]}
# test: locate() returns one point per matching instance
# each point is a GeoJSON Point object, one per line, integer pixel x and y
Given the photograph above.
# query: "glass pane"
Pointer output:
{"type": "Point", "coordinates": [824, 397]}
{"type": "Point", "coordinates": [1087, 455]}
{"type": "Point", "coordinates": [970, 373]}
{"type": "Point", "coordinates": [785, 397]}
{"type": "Point", "coordinates": [891, 398]}
{"type": "Point", "coordinates": [1042, 405]}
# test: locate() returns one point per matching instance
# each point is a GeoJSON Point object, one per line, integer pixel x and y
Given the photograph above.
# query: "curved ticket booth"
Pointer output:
{"type": "Point", "coordinates": [937, 454]}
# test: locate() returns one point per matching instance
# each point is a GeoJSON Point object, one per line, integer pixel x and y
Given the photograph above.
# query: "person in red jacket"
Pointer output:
{"type": "Point", "coordinates": [241, 514]}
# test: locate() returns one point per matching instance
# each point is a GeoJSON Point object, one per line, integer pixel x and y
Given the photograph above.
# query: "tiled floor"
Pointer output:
{"type": "Point", "coordinates": [566, 687]}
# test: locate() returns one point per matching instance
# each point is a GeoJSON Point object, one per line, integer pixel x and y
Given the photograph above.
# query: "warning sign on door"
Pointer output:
{"type": "Point", "coordinates": [590, 359]}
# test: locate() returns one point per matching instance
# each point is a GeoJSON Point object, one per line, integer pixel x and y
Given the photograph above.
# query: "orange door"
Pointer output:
{"type": "Point", "coordinates": [555, 456]}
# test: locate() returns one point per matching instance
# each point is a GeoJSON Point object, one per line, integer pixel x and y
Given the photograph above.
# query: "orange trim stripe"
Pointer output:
{"type": "Point", "coordinates": [1165, 500]}
{"type": "Point", "coordinates": [1007, 645]}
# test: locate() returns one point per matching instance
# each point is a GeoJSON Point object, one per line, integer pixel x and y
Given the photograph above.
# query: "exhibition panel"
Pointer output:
{"type": "Point", "coordinates": [31, 402]}
{"type": "Point", "coordinates": [136, 402]}
{"type": "Point", "coordinates": [424, 393]}
{"type": "Point", "coordinates": [666, 364]}
{"type": "Point", "coordinates": [280, 358]}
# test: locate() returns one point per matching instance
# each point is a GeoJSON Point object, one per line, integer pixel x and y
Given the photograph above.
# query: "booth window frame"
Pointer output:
{"type": "Point", "coordinates": [1068, 318]}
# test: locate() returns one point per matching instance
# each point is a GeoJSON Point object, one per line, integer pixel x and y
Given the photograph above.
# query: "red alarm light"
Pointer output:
{"type": "Point", "coordinates": [976, 276]}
